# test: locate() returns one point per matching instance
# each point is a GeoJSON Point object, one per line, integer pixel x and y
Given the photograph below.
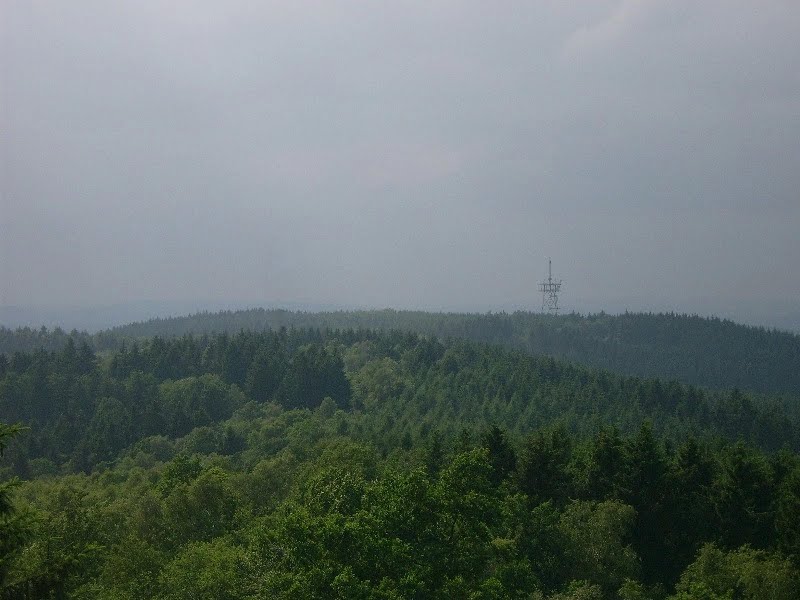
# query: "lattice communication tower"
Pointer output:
{"type": "Point", "coordinates": [550, 290]}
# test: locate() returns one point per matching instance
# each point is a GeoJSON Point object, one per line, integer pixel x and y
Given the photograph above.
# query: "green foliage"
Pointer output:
{"type": "Point", "coordinates": [378, 381]}
{"type": "Point", "coordinates": [745, 500]}
{"type": "Point", "coordinates": [406, 386]}
{"type": "Point", "coordinates": [213, 569]}
{"type": "Point", "coordinates": [787, 518]}
{"type": "Point", "coordinates": [14, 526]}
{"type": "Point", "coordinates": [315, 372]}
{"type": "Point", "coordinates": [201, 509]}
{"type": "Point", "coordinates": [131, 570]}
{"type": "Point", "coordinates": [356, 464]}
{"type": "Point", "coordinates": [195, 401]}
{"type": "Point", "coordinates": [668, 346]}
{"type": "Point", "coordinates": [502, 456]}
{"type": "Point", "coordinates": [580, 590]}
{"type": "Point", "coordinates": [596, 535]}
{"type": "Point", "coordinates": [63, 550]}
{"type": "Point", "coordinates": [182, 470]}
{"type": "Point", "coordinates": [744, 573]}
{"type": "Point", "coordinates": [543, 470]}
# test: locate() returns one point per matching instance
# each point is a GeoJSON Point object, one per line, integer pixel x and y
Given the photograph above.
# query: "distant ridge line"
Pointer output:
{"type": "Point", "coordinates": [710, 352]}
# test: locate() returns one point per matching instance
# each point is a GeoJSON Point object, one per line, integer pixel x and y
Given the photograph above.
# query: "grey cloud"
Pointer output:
{"type": "Point", "coordinates": [403, 154]}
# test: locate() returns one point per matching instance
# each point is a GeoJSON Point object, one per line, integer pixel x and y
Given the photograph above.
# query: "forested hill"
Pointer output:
{"type": "Point", "coordinates": [706, 352]}
{"type": "Point", "coordinates": [83, 411]}
{"type": "Point", "coordinates": [320, 464]}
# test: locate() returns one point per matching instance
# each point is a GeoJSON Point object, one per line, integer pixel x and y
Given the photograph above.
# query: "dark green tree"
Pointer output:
{"type": "Point", "coordinates": [502, 456]}
{"type": "Point", "coordinates": [543, 470]}
{"type": "Point", "coordinates": [14, 528]}
{"type": "Point", "coordinates": [743, 493]}
{"type": "Point", "coordinates": [314, 373]}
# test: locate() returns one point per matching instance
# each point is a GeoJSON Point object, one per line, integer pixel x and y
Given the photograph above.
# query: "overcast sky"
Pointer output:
{"type": "Point", "coordinates": [404, 154]}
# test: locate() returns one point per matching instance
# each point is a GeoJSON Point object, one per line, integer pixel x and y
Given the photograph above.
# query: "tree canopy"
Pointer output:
{"type": "Point", "coordinates": [317, 463]}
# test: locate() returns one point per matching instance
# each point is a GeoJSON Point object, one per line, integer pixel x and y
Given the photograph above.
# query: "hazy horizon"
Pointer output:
{"type": "Point", "coordinates": [100, 317]}
{"type": "Point", "coordinates": [417, 155]}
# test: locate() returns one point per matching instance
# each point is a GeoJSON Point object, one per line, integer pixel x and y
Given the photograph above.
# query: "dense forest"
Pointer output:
{"type": "Point", "coordinates": [705, 352]}
{"type": "Point", "coordinates": [356, 463]}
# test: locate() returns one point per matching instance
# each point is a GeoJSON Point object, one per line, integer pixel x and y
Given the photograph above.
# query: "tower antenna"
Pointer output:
{"type": "Point", "coordinates": [550, 290]}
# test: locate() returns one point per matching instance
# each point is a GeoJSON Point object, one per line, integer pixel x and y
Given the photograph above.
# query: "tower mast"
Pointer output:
{"type": "Point", "coordinates": [550, 290]}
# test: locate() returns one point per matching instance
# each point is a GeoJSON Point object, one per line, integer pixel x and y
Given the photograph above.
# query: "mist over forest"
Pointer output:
{"type": "Point", "coordinates": [382, 301]}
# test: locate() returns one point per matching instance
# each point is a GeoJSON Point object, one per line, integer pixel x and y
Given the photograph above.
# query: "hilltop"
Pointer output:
{"type": "Point", "coordinates": [707, 352]}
